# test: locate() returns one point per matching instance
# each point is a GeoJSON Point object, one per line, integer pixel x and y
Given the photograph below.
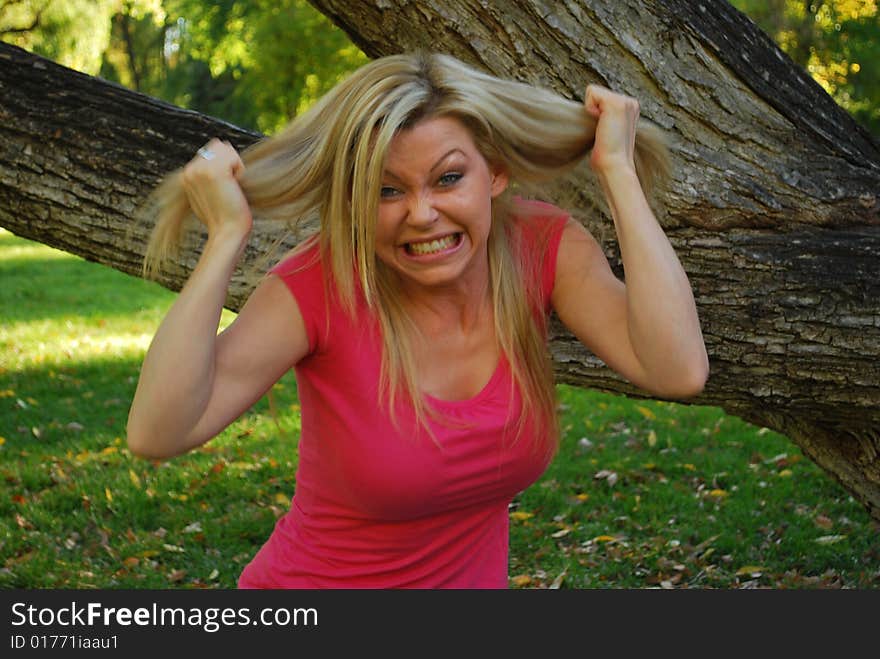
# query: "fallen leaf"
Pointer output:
{"type": "Point", "coordinates": [823, 522]}
{"type": "Point", "coordinates": [195, 527]}
{"type": "Point", "coordinates": [604, 538]}
{"type": "Point", "coordinates": [829, 539]}
{"type": "Point", "coordinates": [108, 494]}
{"type": "Point", "coordinates": [609, 476]}
{"type": "Point", "coordinates": [16, 560]}
{"type": "Point", "coordinates": [131, 561]}
{"type": "Point", "coordinates": [177, 575]}
{"type": "Point", "coordinates": [652, 439]}
{"type": "Point", "coordinates": [135, 479]}
{"type": "Point", "coordinates": [751, 570]}
{"type": "Point", "coordinates": [645, 412]}
{"type": "Point", "coordinates": [521, 580]}
{"type": "Point", "coordinates": [708, 541]}
{"type": "Point", "coordinates": [557, 582]}
{"type": "Point", "coordinates": [519, 515]}
{"type": "Point", "coordinates": [718, 494]}
{"type": "Point", "coordinates": [214, 574]}
{"type": "Point", "coordinates": [22, 522]}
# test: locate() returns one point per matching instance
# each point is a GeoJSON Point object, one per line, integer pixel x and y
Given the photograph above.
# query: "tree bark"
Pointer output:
{"type": "Point", "coordinates": [772, 207]}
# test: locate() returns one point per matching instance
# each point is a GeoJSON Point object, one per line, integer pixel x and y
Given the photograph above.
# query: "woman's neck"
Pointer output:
{"type": "Point", "coordinates": [460, 308]}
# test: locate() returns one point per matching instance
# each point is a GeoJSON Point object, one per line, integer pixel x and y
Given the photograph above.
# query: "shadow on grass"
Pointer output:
{"type": "Point", "coordinates": [60, 403]}
{"type": "Point", "coordinates": [40, 287]}
{"type": "Point", "coordinates": [55, 406]}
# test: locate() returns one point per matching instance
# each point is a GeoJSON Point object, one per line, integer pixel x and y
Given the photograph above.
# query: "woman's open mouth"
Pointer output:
{"type": "Point", "coordinates": [435, 246]}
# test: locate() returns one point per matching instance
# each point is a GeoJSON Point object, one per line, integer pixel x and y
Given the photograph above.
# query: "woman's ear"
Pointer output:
{"type": "Point", "coordinates": [500, 180]}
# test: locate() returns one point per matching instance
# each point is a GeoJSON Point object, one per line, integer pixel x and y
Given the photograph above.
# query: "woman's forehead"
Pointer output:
{"type": "Point", "coordinates": [431, 139]}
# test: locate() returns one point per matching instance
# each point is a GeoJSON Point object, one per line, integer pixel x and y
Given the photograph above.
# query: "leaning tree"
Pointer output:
{"type": "Point", "coordinates": [772, 207]}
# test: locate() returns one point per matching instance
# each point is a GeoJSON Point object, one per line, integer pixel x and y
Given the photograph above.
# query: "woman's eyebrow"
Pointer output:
{"type": "Point", "coordinates": [440, 160]}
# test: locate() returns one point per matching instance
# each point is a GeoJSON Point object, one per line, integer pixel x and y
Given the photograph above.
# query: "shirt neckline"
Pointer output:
{"type": "Point", "coordinates": [487, 390]}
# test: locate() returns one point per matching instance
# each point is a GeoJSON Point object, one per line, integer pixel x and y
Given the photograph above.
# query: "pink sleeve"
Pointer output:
{"type": "Point", "coordinates": [303, 274]}
{"type": "Point", "coordinates": [554, 239]}
{"type": "Point", "coordinates": [542, 225]}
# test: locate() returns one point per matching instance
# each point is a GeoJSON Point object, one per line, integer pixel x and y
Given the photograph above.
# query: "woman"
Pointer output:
{"type": "Point", "coordinates": [416, 316]}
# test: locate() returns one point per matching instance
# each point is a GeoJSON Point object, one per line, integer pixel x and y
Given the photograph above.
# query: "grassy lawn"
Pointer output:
{"type": "Point", "coordinates": [642, 494]}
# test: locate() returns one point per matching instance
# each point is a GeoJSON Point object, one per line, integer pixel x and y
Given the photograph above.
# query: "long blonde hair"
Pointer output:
{"type": "Point", "coordinates": [329, 161]}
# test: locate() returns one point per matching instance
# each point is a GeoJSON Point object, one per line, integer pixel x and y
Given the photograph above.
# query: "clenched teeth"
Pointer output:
{"type": "Point", "coordinates": [432, 246]}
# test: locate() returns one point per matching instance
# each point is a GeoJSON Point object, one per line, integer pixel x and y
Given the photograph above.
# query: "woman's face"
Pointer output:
{"type": "Point", "coordinates": [435, 209]}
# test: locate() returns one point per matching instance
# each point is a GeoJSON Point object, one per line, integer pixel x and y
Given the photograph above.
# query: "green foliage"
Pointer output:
{"type": "Point", "coordinates": [837, 41]}
{"type": "Point", "coordinates": [642, 494]}
{"type": "Point", "coordinates": [255, 63]}
{"type": "Point", "coordinates": [74, 33]}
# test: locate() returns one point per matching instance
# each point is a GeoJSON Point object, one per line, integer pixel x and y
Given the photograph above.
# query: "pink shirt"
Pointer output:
{"type": "Point", "coordinates": [383, 507]}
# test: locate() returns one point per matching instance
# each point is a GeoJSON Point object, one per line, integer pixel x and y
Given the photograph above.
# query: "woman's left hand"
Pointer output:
{"type": "Point", "coordinates": [617, 116]}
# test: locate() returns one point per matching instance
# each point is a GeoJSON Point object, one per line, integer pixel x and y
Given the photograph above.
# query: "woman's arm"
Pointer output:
{"type": "Point", "coordinates": [193, 383]}
{"type": "Point", "coordinates": [646, 329]}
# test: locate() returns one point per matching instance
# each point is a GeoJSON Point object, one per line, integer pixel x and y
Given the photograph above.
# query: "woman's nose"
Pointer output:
{"type": "Point", "coordinates": [422, 210]}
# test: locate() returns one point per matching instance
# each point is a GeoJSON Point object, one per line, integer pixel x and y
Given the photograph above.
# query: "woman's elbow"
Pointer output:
{"type": "Point", "coordinates": [692, 380]}
{"type": "Point", "coordinates": [139, 445]}
{"type": "Point", "coordinates": [694, 386]}
{"type": "Point", "coordinates": [142, 443]}
{"type": "Point", "coordinates": [688, 382]}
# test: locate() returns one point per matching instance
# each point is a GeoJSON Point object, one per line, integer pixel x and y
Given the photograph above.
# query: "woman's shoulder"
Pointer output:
{"type": "Point", "coordinates": [302, 270]}
{"type": "Point", "coordinates": [303, 260]}
{"type": "Point", "coordinates": [535, 209]}
{"type": "Point", "coordinates": [537, 222]}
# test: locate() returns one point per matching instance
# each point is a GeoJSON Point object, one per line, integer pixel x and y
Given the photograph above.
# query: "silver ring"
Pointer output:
{"type": "Point", "coordinates": [206, 153]}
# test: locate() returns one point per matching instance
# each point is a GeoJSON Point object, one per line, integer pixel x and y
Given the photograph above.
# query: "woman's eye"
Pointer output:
{"type": "Point", "coordinates": [386, 192]}
{"type": "Point", "coordinates": [450, 178]}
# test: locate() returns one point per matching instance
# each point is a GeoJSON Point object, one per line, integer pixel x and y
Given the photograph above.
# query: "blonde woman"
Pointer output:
{"type": "Point", "coordinates": [416, 316]}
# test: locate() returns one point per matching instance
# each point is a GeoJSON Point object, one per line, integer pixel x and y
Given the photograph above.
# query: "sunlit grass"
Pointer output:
{"type": "Point", "coordinates": [642, 494]}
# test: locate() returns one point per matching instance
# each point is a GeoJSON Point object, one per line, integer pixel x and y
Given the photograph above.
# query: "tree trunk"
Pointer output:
{"type": "Point", "coordinates": [772, 207]}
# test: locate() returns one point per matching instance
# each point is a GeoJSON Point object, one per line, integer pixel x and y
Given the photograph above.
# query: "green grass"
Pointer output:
{"type": "Point", "coordinates": [698, 498]}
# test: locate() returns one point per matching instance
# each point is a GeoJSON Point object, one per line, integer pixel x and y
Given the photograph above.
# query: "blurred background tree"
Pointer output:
{"type": "Point", "coordinates": [256, 63]}
{"type": "Point", "coordinates": [837, 41]}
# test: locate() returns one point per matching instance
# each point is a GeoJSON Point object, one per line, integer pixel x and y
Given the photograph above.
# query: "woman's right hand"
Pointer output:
{"type": "Point", "coordinates": [210, 181]}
